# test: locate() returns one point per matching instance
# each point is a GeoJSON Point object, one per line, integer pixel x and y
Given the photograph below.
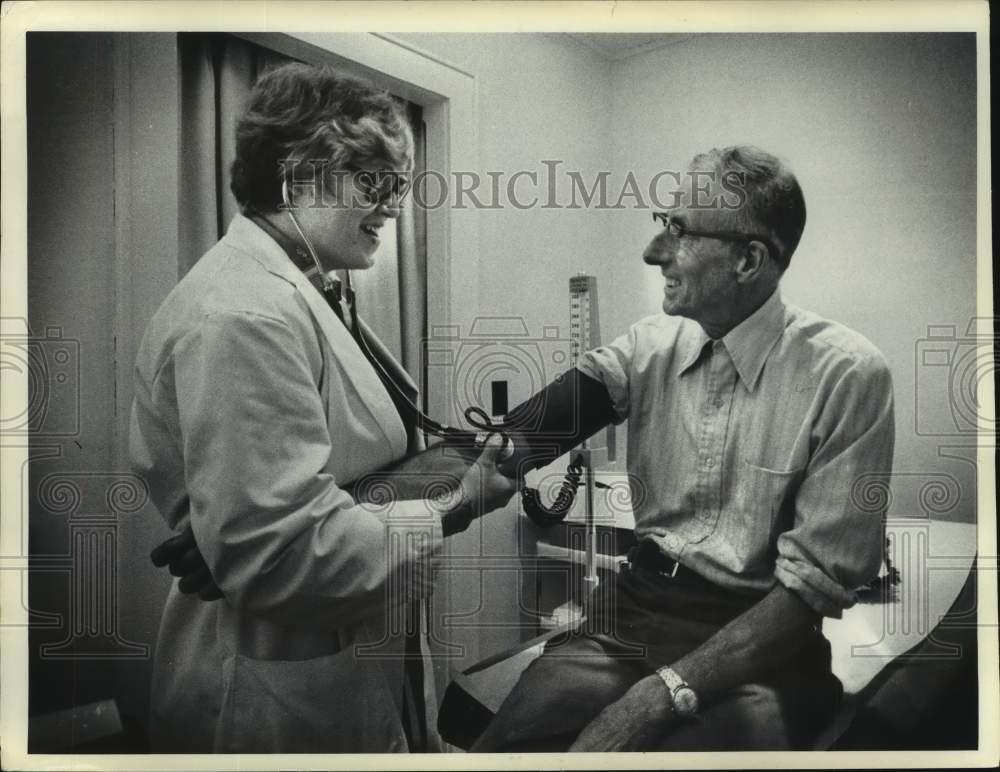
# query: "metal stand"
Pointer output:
{"type": "Point", "coordinates": [590, 578]}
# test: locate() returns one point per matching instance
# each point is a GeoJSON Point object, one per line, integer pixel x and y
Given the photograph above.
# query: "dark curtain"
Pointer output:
{"type": "Point", "coordinates": [217, 73]}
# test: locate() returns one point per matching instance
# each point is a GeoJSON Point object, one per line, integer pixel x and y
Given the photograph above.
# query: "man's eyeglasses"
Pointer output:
{"type": "Point", "coordinates": [379, 187]}
{"type": "Point", "coordinates": [678, 229]}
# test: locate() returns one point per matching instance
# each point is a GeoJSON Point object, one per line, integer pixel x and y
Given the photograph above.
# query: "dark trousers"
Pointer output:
{"type": "Point", "coordinates": [637, 623]}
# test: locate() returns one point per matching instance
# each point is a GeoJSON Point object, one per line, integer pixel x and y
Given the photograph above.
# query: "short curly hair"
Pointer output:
{"type": "Point", "coordinates": [775, 204]}
{"type": "Point", "coordinates": [299, 112]}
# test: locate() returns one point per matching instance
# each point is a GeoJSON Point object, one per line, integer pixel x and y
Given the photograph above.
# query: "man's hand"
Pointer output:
{"type": "Point", "coordinates": [634, 722]}
{"type": "Point", "coordinates": [182, 555]}
{"type": "Point", "coordinates": [745, 650]}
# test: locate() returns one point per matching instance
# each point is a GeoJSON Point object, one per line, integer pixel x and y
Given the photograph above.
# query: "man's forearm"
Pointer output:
{"type": "Point", "coordinates": [748, 647]}
{"type": "Point", "coordinates": [741, 652]}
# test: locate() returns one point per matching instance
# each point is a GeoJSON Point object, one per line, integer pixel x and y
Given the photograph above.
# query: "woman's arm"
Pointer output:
{"type": "Point", "coordinates": [279, 534]}
{"type": "Point", "coordinates": [567, 411]}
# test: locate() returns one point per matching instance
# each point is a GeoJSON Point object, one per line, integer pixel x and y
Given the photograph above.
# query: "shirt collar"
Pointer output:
{"type": "Point", "coordinates": [750, 342]}
{"type": "Point", "coordinates": [693, 343]}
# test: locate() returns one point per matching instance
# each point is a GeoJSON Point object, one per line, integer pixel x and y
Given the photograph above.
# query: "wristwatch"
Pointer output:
{"type": "Point", "coordinates": [683, 696]}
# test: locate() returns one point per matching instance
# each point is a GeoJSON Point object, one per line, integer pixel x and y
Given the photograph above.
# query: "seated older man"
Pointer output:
{"type": "Point", "coordinates": [751, 422]}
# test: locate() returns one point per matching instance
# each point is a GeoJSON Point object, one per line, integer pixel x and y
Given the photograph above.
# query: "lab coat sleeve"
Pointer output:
{"type": "Point", "coordinates": [836, 542]}
{"type": "Point", "coordinates": [281, 538]}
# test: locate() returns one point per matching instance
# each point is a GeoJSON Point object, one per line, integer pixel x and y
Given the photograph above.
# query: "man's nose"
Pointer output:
{"type": "Point", "coordinates": [657, 253]}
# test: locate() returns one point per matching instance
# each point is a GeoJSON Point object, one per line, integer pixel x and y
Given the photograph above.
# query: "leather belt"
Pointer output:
{"type": "Point", "coordinates": [647, 555]}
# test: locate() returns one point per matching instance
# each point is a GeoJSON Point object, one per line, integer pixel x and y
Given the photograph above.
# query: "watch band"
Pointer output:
{"type": "Point", "coordinates": [670, 677]}
{"type": "Point", "coordinates": [683, 697]}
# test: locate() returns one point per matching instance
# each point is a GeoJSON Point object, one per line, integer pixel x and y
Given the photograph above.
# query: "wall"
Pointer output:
{"type": "Point", "coordinates": [540, 98]}
{"type": "Point", "coordinates": [147, 115]}
{"type": "Point", "coordinates": [70, 289]}
{"type": "Point", "coordinates": [102, 236]}
{"type": "Point", "coordinates": [881, 132]}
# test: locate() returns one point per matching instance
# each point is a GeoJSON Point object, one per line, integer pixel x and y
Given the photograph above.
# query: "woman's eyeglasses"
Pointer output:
{"type": "Point", "coordinates": [381, 186]}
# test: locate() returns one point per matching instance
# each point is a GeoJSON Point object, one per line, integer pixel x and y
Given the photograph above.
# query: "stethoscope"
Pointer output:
{"type": "Point", "coordinates": [460, 439]}
{"type": "Point", "coordinates": [476, 416]}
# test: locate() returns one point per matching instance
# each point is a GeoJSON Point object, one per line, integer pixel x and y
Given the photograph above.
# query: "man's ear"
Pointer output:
{"type": "Point", "coordinates": [753, 262]}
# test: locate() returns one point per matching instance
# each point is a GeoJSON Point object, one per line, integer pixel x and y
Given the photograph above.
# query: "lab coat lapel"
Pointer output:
{"type": "Point", "coordinates": [404, 384]}
{"type": "Point", "coordinates": [392, 366]}
{"type": "Point", "coordinates": [354, 365]}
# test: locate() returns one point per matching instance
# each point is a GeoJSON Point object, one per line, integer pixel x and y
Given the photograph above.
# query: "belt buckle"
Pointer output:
{"type": "Point", "coordinates": [673, 571]}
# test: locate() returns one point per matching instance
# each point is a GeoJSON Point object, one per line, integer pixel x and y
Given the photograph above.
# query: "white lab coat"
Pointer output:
{"type": "Point", "coordinates": [253, 407]}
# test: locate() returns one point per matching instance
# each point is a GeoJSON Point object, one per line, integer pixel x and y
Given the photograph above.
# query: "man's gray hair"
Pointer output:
{"type": "Point", "coordinates": [774, 203]}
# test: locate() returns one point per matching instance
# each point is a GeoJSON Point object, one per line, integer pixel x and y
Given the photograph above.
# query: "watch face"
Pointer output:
{"type": "Point", "coordinates": [686, 701]}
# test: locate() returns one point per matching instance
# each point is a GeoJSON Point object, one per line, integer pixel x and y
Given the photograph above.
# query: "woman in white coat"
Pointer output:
{"type": "Point", "coordinates": [255, 410]}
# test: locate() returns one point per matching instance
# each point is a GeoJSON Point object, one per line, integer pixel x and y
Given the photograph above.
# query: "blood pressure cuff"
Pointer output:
{"type": "Point", "coordinates": [568, 411]}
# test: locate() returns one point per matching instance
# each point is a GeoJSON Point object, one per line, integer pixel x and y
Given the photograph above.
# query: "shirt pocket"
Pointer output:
{"type": "Point", "coordinates": [762, 503]}
{"type": "Point", "coordinates": [331, 704]}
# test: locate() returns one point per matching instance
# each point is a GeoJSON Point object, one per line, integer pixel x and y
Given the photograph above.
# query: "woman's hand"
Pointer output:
{"type": "Point", "coordinates": [482, 489]}
{"type": "Point", "coordinates": [182, 555]}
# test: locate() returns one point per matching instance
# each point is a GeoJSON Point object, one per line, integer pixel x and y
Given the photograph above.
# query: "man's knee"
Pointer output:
{"type": "Point", "coordinates": [555, 698]}
{"type": "Point", "coordinates": [531, 710]}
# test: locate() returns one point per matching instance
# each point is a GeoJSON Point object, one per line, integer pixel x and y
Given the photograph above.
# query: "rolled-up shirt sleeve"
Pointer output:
{"type": "Point", "coordinates": [281, 537]}
{"type": "Point", "coordinates": [611, 366]}
{"type": "Point", "coordinates": [836, 542]}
